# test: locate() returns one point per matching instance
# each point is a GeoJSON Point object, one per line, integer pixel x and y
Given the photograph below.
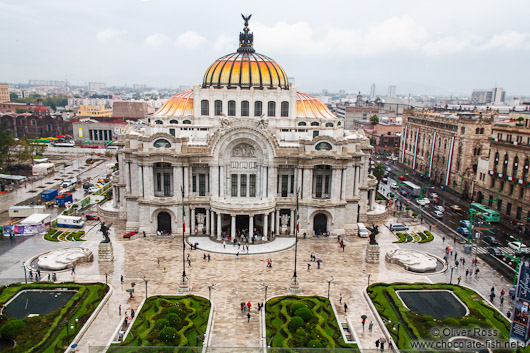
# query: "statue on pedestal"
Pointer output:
{"type": "Point", "coordinates": [373, 232]}
{"type": "Point", "coordinates": [105, 231]}
{"type": "Point", "coordinates": [200, 220]}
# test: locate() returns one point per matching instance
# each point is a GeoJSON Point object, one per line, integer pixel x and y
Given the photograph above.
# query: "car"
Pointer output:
{"type": "Point", "coordinates": [465, 223]}
{"type": "Point", "coordinates": [130, 234]}
{"type": "Point", "coordinates": [495, 251]}
{"type": "Point", "coordinates": [384, 180]}
{"type": "Point", "coordinates": [388, 169]}
{"type": "Point", "coordinates": [398, 227]}
{"type": "Point", "coordinates": [91, 217]}
{"type": "Point", "coordinates": [402, 177]}
{"type": "Point", "coordinates": [92, 189]}
{"type": "Point", "coordinates": [98, 185]}
{"type": "Point", "coordinates": [433, 195]}
{"type": "Point", "coordinates": [438, 214]}
{"type": "Point", "coordinates": [422, 202]}
{"type": "Point", "coordinates": [435, 201]}
{"type": "Point", "coordinates": [403, 193]}
{"type": "Point", "coordinates": [463, 231]}
{"type": "Point", "coordinates": [517, 246]}
{"type": "Point", "coordinates": [439, 208]}
{"type": "Point", "coordinates": [456, 208]}
{"type": "Point", "coordinates": [491, 240]}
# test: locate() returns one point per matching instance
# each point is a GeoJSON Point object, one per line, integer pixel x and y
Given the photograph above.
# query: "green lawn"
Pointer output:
{"type": "Point", "coordinates": [169, 321]}
{"type": "Point", "coordinates": [405, 325]}
{"type": "Point", "coordinates": [48, 333]}
{"type": "Point", "coordinates": [293, 321]}
{"type": "Point", "coordinates": [57, 235]}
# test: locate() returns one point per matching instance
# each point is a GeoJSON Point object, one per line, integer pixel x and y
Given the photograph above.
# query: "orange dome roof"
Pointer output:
{"type": "Point", "coordinates": [181, 104]}
{"type": "Point", "coordinates": [245, 69]}
{"type": "Point", "coordinates": [308, 106]}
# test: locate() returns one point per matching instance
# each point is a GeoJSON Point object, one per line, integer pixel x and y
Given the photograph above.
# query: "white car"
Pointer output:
{"type": "Point", "coordinates": [438, 214]}
{"type": "Point", "coordinates": [93, 189]}
{"type": "Point", "coordinates": [517, 246]}
{"type": "Point", "coordinates": [423, 202]}
{"type": "Point", "coordinates": [439, 208]}
{"type": "Point", "coordinates": [433, 195]}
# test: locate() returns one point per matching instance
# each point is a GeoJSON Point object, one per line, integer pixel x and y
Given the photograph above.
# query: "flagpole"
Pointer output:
{"type": "Point", "coordinates": [297, 217]}
{"type": "Point", "coordinates": [183, 235]}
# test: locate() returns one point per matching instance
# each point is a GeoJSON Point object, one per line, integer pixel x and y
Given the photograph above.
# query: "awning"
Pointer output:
{"type": "Point", "coordinates": [12, 177]}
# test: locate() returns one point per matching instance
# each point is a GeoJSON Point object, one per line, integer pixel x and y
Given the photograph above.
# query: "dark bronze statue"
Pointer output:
{"type": "Point", "coordinates": [105, 230]}
{"type": "Point", "coordinates": [373, 232]}
{"type": "Point", "coordinates": [246, 38]}
{"type": "Point", "coordinates": [246, 18]}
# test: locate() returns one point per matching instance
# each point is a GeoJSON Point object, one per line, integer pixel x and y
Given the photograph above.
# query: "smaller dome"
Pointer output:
{"type": "Point", "coordinates": [181, 104]}
{"type": "Point", "coordinates": [308, 106]}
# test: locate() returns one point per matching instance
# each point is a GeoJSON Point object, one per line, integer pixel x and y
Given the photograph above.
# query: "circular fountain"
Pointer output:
{"type": "Point", "coordinates": [61, 259]}
{"type": "Point", "coordinates": [415, 261]}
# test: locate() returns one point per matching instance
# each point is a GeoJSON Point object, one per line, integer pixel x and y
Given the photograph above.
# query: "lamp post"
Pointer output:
{"type": "Point", "coordinates": [146, 281]}
{"type": "Point", "coordinates": [294, 280]}
{"type": "Point", "coordinates": [184, 278]}
{"type": "Point", "coordinates": [25, 274]}
{"type": "Point", "coordinates": [264, 287]}
{"type": "Point", "coordinates": [329, 284]}
{"type": "Point", "coordinates": [210, 287]}
{"type": "Point", "coordinates": [68, 327]}
{"type": "Point", "coordinates": [451, 279]}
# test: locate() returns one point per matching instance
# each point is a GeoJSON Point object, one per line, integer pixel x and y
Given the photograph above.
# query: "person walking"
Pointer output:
{"type": "Point", "coordinates": [237, 256]}
{"type": "Point", "coordinates": [371, 326]}
{"type": "Point", "coordinates": [443, 239]}
{"type": "Point", "coordinates": [340, 298]}
{"type": "Point", "coordinates": [467, 272]}
{"type": "Point", "coordinates": [249, 305]}
{"type": "Point", "coordinates": [476, 272]}
{"type": "Point", "coordinates": [73, 270]}
{"type": "Point", "coordinates": [345, 307]}
{"type": "Point", "coordinates": [459, 279]}
{"type": "Point", "coordinates": [132, 313]}
{"type": "Point", "coordinates": [308, 267]}
{"type": "Point", "coordinates": [119, 310]}
{"type": "Point", "coordinates": [363, 322]}
{"type": "Point", "coordinates": [248, 317]}
{"type": "Point", "coordinates": [158, 262]}
{"type": "Point", "coordinates": [377, 344]}
{"type": "Point", "coordinates": [208, 257]}
{"type": "Point", "coordinates": [242, 307]}
{"type": "Point", "coordinates": [121, 279]}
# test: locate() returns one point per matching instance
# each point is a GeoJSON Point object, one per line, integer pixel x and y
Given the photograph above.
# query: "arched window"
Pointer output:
{"type": "Point", "coordinates": [338, 124]}
{"type": "Point", "coordinates": [505, 165]}
{"type": "Point", "coordinates": [481, 130]}
{"type": "Point", "coordinates": [526, 169]}
{"type": "Point", "coordinates": [285, 109]}
{"type": "Point", "coordinates": [186, 122]}
{"type": "Point", "coordinates": [218, 107]}
{"type": "Point", "coordinates": [173, 121]}
{"type": "Point", "coordinates": [315, 123]}
{"type": "Point", "coordinates": [231, 108]}
{"type": "Point", "coordinates": [302, 123]}
{"type": "Point", "coordinates": [258, 108]}
{"type": "Point", "coordinates": [205, 107]}
{"type": "Point", "coordinates": [271, 108]}
{"type": "Point", "coordinates": [477, 130]}
{"type": "Point", "coordinates": [329, 124]}
{"type": "Point", "coordinates": [496, 162]}
{"type": "Point", "coordinates": [515, 166]}
{"type": "Point", "coordinates": [159, 122]}
{"type": "Point", "coordinates": [245, 107]}
{"type": "Point", "coordinates": [162, 143]}
{"type": "Point", "coordinates": [479, 150]}
{"type": "Point", "coordinates": [323, 146]}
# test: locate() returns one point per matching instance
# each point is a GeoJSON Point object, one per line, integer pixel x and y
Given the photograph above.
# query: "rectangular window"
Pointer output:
{"type": "Point", "coordinates": [258, 108]}
{"type": "Point", "coordinates": [252, 186]}
{"type": "Point", "coordinates": [167, 184]}
{"type": "Point", "coordinates": [202, 184]}
{"type": "Point", "coordinates": [172, 132]}
{"type": "Point", "coordinates": [499, 205]}
{"type": "Point", "coordinates": [158, 182]}
{"type": "Point", "coordinates": [101, 134]}
{"type": "Point", "coordinates": [231, 108]}
{"type": "Point", "coordinates": [285, 183]}
{"type": "Point", "coordinates": [508, 208]}
{"type": "Point", "coordinates": [519, 213]}
{"type": "Point", "coordinates": [194, 183]}
{"type": "Point", "coordinates": [271, 110]}
{"type": "Point", "coordinates": [243, 182]}
{"type": "Point", "coordinates": [234, 185]}
{"type": "Point", "coordinates": [318, 186]}
{"type": "Point", "coordinates": [511, 189]}
{"type": "Point", "coordinates": [292, 184]}
{"type": "Point", "coordinates": [285, 109]}
{"type": "Point", "coordinates": [218, 107]}
{"type": "Point", "coordinates": [245, 108]}
{"type": "Point", "coordinates": [326, 185]}
{"type": "Point", "coordinates": [205, 107]}
{"type": "Point", "coordinates": [315, 133]}
{"type": "Point", "coordinates": [90, 134]}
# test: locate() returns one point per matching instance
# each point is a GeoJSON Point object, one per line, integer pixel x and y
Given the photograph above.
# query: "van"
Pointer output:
{"type": "Point", "coordinates": [112, 148]}
{"type": "Point", "coordinates": [398, 227]}
{"type": "Point", "coordinates": [363, 231]}
{"type": "Point", "coordinates": [70, 221]}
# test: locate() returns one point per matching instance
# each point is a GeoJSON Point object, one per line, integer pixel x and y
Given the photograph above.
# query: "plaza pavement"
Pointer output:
{"type": "Point", "coordinates": [238, 279]}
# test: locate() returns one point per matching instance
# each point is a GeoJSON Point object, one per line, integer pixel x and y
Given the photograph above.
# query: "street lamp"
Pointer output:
{"type": "Point", "coordinates": [264, 287]}
{"type": "Point", "coordinates": [212, 286]}
{"type": "Point", "coordinates": [329, 284]}
{"type": "Point", "coordinates": [294, 280]}
{"type": "Point", "coordinates": [25, 274]}
{"type": "Point", "coordinates": [184, 279]}
{"type": "Point", "coordinates": [451, 279]}
{"type": "Point", "coordinates": [146, 281]}
{"type": "Point", "coordinates": [68, 327]}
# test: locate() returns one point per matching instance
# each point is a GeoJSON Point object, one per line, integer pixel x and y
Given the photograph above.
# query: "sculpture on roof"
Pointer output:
{"type": "Point", "coordinates": [246, 38]}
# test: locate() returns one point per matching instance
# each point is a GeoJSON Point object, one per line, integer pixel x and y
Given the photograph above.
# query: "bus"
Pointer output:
{"type": "Point", "coordinates": [411, 189]}
{"type": "Point", "coordinates": [485, 212]}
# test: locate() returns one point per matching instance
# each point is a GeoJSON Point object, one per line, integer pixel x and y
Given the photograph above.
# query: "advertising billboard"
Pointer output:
{"type": "Point", "coordinates": [520, 329]}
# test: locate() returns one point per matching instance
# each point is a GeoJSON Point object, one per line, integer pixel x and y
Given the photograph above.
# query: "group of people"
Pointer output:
{"type": "Point", "coordinates": [51, 275]}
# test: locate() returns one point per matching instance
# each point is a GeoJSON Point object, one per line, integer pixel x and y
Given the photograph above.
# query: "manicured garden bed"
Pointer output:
{"type": "Point", "coordinates": [421, 237]}
{"type": "Point", "coordinates": [405, 325]}
{"type": "Point", "coordinates": [169, 321]}
{"type": "Point", "coordinates": [57, 235]}
{"type": "Point", "coordinates": [293, 321]}
{"type": "Point", "coordinates": [49, 333]}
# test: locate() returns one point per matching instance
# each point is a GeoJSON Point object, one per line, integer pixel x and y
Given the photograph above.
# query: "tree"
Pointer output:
{"type": "Point", "coordinates": [21, 110]}
{"type": "Point", "coordinates": [13, 96]}
{"type": "Point", "coordinates": [374, 120]}
{"type": "Point", "coordinates": [379, 171]}
{"type": "Point", "coordinates": [12, 328]}
{"type": "Point", "coordinates": [6, 142]}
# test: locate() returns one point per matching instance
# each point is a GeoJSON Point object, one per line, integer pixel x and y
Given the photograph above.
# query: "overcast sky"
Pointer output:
{"type": "Point", "coordinates": [421, 46]}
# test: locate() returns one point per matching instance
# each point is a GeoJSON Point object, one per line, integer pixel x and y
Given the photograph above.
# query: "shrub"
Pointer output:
{"type": "Point", "coordinates": [296, 306]}
{"type": "Point", "coordinates": [451, 322]}
{"type": "Point", "coordinates": [295, 323]}
{"type": "Point", "coordinates": [304, 313]}
{"type": "Point", "coordinates": [315, 344]}
{"type": "Point", "coordinates": [414, 214]}
{"type": "Point", "coordinates": [12, 328]}
{"type": "Point", "coordinates": [173, 319]}
{"type": "Point", "coordinates": [407, 208]}
{"type": "Point", "coordinates": [161, 323]}
{"type": "Point", "coordinates": [168, 334]}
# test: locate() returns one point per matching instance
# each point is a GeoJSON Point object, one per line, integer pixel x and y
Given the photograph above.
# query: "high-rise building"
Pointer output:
{"type": "Point", "coordinates": [96, 86]}
{"type": "Point", "coordinates": [4, 93]}
{"type": "Point", "coordinates": [492, 96]}
{"type": "Point", "coordinates": [391, 91]}
{"type": "Point", "coordinates": [372, 90]}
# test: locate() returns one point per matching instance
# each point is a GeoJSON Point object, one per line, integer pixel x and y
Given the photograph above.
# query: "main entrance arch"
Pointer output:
{"type": "Point", "coordinates": [164, 222]}
{"type": "Point", "coordinates": [320, 223]}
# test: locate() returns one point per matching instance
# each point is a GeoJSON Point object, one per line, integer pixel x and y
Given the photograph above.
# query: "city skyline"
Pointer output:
{"type": "Point", "coordinates": [415, 46]}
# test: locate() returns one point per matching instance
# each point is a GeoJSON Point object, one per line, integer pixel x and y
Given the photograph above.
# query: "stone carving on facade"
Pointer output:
{"type": "Point", "coordinates": [225, 123]}
{"type": "Point", "coordinates": [262, 124]}
{"type": "Point", "coordinates": [243, 150]}
{"type": "Point", "coordinates": [284, 223]}
{"type": "Point", "coordinates": [200, 220]}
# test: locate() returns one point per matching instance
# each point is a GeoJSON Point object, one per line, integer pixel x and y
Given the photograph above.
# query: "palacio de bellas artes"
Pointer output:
{"type": "Point", "coordinates": [244, 150]}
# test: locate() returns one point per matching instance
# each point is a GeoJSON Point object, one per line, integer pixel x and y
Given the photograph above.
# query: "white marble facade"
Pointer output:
{"type": "Point", "coordinates": [239, 152]}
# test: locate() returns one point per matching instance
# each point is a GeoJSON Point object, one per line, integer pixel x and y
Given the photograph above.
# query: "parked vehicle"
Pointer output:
{"type": "Point", "coordinates": [398, 227]}
{"type": "Point", "coordinates": [423, 202]}
{"type": "Point", "coordinates": [517, 246]}
{"type": "Point", "coordinates": [25, 211]}
{"type": "Point", "coordinates": [92, 189]}
{"type": "Point", "coordinates": [90, 161]}
{"type": "Point", "coordinates": [435, 201]}
{"type": "Point", "coordinates": [402, 177]}
{"type": "Point", "coordinates": [433, 195]}
{"type": "Point", "coordinates": [456, 208]}
{"type": "Point", "coordinates": [463, 231]}
{"type": "Point", "coordinates": [91, 217]}
{"type": "Point", "coordinates": [491, 240]}
{"type": "Point", "coordinates": [363, 231]}
{"type": "Point", "coordinates": [439, 208]}
{"type": "Point", "coordinates": [495, 251]}
{"type": "Point", "coordinates": [465, 223]}
{"type": "Point", "coordinates": [70, 221]}
{"type": "Point", "coordinates": [62, 199]}
{"type": "Point", "coordinates": [48, 195]}
{"type": "Point", "coordinates": [403, 193]}
{"type": "Point", "coordinates": [438, 214]}
{"type": "Point", "coordinates": [130, 234]}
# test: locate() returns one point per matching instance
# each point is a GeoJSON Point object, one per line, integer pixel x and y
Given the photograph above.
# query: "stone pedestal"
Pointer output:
{"type": "Point", "coordinates": [372, 254]}
{"type": "Point", "coordinates": [105, 252]}
{"type": "Point", "coordinates": [294, 286]}
{"type": "Point", "coordinates": [184, 286]}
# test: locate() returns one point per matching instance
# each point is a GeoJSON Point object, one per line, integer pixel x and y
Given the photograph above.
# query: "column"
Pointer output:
{"type": "Point", "coordinates": [114, 196]}
{"type": "Point", "coordinates": [308, 183]}
{"type": "Point", "coordinates": [272, 221]}
{"type": "Point", "coordinates": [142, 181]}
{"type": "Point", "coordinates": [128, 176]}
{"type": "Point", "coordinates": [251, 225]}
{"type": "Point", "coordinates": [278, 230]}
{"type": "Point", "coordinates": [212, 224]}
{"type": "Point", "coordinates": [355, 180]}
{"type": "Point", "coordinates": [207, 221]}
{"type": "Point", "coordinates": [265, 224]}
{"type": "Point", "coordinates": [233, 227]}
{"type": "Point", "coordinates": [263, 181]}
{"type": "Point", "coordinates": [148, 181]}
{"type": "Point", "coordinates": [186, 181]}
{"type": "Point", "coordinates": [214, 181]}
{"type": "Point", "coordinates": [218, 226]}
{"type": "Point", "coordinates": [343, 183]}
{"type": "Point", "coordinates": [372, 199]}
{"type": "Point", "coordinates": [222, 181]}
{"type": "Point", "coordinates": [192, 230]}
{"type": "Point", "coordinates": [298, 173]}
{"type": "Point", "coordinates": [291, 223]}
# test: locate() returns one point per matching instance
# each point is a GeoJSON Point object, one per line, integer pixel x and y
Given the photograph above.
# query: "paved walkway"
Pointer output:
{"type": "Point", "coordinates": [209, 245]}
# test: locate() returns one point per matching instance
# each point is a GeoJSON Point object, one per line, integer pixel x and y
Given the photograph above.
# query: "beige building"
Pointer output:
{"type": "Point", "coordinates": [235, 151]}
{"type": "Point", "coordinates": [4, 93]}
{"type": "Point", "coordinates": [94, 111]}
{"type": "Point", "coordinates": [503, 181]}
{"type": "Point", "coordinates": [445, 145]}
